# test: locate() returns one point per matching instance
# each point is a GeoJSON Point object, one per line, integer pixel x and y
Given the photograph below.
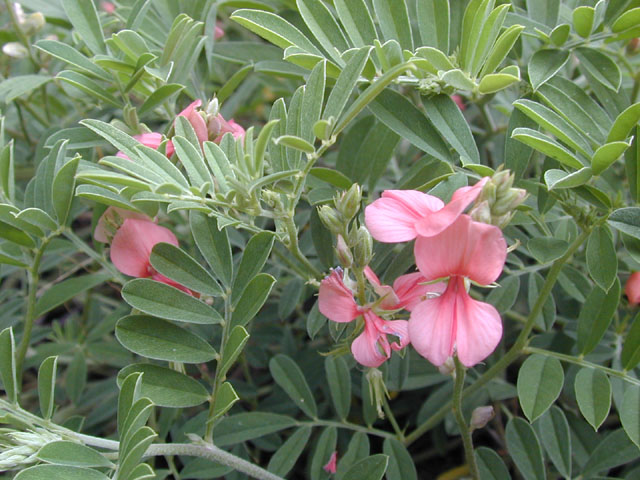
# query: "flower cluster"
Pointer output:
{"type": "Point", "coordinates": [451, 250]}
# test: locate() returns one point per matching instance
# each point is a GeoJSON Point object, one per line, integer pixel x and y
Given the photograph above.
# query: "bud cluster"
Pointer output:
{"type": "Point", "coordinates": [19, 449]}
{"type": "Point", "coordinates": [498, 200]}
{"type": "Point", "coordinates": [353, 243]}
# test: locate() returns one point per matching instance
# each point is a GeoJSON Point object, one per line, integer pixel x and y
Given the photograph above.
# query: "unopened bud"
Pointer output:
{"type": "Point", "coordinates": [15, 50]}
{"type": "Point", "coordinates": [363, 249]}
{"type": "Point", "coordinates": [33, 23]}
{"type": "Point", "coordinates": [503, 180]}
{"type": "Point", "coordinates": [509, 201]}
{"type": "Point", "coordinates": [344, 253]}
{"type": "Point", "coordinates": [481, 212]}
{"type": "Point", "coordinates": [448, 367]}
{"type": "Point", "coordinates": [488, 192]}
{"type": "Point", "coordinates": [480, 417]}
{"type": "Point", "coordinates": [213, 108]}
{"type": "Point", "coordinates": [330, 219]}
{"type": "Point", "coordinates": [349, 203]}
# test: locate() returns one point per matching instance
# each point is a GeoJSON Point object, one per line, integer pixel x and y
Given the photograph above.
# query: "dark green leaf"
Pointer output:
{"type": "Point", "coordinates": [339, 380]}
{"type": "Point", "coordinates": [253, 259]}
{"type": "Point", "coordinates": [547, 249]}
{"type": "Point", "coordinates": [616, 449]}
{"type": "Point", "coordinates": [63, 188]}
{"type": "Point", "coordinates": [285, 458]}
{"type": "Point", "coordinates": [289, 376]}
{"type": "Point", "coordinates": [544, 64]}
{"type": "Point", "coordinates": [596, 315]}
{"type": "Point", "coordinates": [401, 465]}
{"type": "Point", "coordinates": [8, 365]}
{"type": "Point", "coordinates": [46, 386]}
{"type": "Point", "coordinates": [546, 145]}
{"type": "Point", "coordinates": [324, 449]}
{"type": "Point", "coordinates": [490, 465]}
{"type": "Point", "coordinates": [600, 66]}
{"type": "Point", "coordinates": [602, 261]}
{"type": "Point", "coordinates": [524, 447]}
{"type": "Point", "coordinates": [252, 299]}
{"type": "Point", "coordinates": [72, 454]}
{"type": "Point", "coordinates": [66, 290]}
{"type": "Point", "coordinates": [631, 346]}
{"type": "Point", "coordinates": [593, 393]}
{"type": "Point", "coordinates": [59, 472]}
{"type": "Point", "coordinates": [553, 430]}
{"type": "Point", "coordinates": [324, 27]}
{"type": "Point", "coordinates": [247, 426]}
{"type": "Point", "coordinates": [233, 348]}
{"type": "Point", "coordinates": [630, 413]}
{"type": "Point", "coordinates": [540, 381]}
{"type": "Point", "coordinates": [213, 244]}
{"type": "Point", "coordinates": [357, 21]}
{"type": "Point", "coordinates": [371, 468]}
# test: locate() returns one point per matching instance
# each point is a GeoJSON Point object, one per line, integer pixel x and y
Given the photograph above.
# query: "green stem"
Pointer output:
{"type": "Point", "coordinates": [294, 247]}
{"type": "Point", "coordinates": [347, 426]}
{"type": "Point", "coordinates": [226, 329]}
{"type": "Point", "coordinates": [392, 419]}
{"type": "Point", "coordinates": [465, 431]}
{"type": "Point", "coordinates": [514, 352]}
{"type": "Point", "coordinates": [582, 363]}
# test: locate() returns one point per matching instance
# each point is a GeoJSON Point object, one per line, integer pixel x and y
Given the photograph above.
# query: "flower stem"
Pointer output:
{"type": "Point", "coordinates": [465, 431]}
{"type": "Point", "coordinates": [392, 419]}
{"type": "Point", "coordinates": [518, 347]}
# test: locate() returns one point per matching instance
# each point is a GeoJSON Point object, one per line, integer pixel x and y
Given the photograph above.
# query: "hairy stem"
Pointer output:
{"type": "Point", "coordinates": [465, 431]}
{"type": "Point", "coordinates": [518, 347]}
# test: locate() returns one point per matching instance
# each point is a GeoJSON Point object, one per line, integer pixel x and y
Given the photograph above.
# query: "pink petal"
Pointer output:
{"type": "Point", "coordinates": [219, 33]}
{"type": "Point", "coordinates": [196, 120]}
{"type": "Point", "coordinates": [479, 329]}
{"type": "Point", "coordinates": [112, 216]}
{"type": "Point", "coordinates": [390, 300]}
{"type": "Point", "coordinates": [393, 217]}
{"type": "Point", "coordinates": [331, 466]}
{"type": "Point", "coordinates": [410, 292]}
{"type": "Point", "coordinates": [467, 249]}
{"type": "Point", "coordinates": [229, 127]}
{"type": "Point", "coordinates": [632, 288]}
{"type": "Point", "coordinates": [436, 222]}
{"type": "Point", "coordinates": [366, 349]}
{"type": "Point", "coordinates": [132, 245]}
{"type": "Point", "coordinates": [151, 140]}
{"type": "Point", "coordinates": [432, 325]}
{"type": "Point", "coordinates": [158, 277]}
{"type": "Point", "coordinates": [397, 328]}
{"type": "Point", "coordinates": [335, 300]}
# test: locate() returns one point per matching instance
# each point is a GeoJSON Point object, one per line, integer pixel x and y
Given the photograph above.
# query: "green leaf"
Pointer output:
{"type": "Point", "coordinates": [607, 154]}
{"type": "Point", "coordinates": [19, 85]}
{"type": "Point", "coordinates": [252, 299]}
{"type": "Point", "coordinates": [517, 154]}
{"type": "Point", "coordinates": [295, 142]}
{"type": "Point", "coordinates": [600, 66]}
{"type": "Point", "coordinates": [371, 468]}
{"type": "Point", "coordinates": [445, 115]}
{"type": "Point", "coordinates": [547, 249]}
{"type": "Point", "coordinates": [630, 413]}
{"type": "Point", "coordinates": [393, 18]}
{"type": "Point", "coordinates": [72, 454]}
{"type": "Point", "coordinates": [339, 381]}
{"type": "Point", "coordinates": [560, 34]}
{"type": "Point", "coordinates": [324, 449]}
{"type": "Point", "coordinates": [213, 244]}
{"type": "Point", "coordinates": [158, 339]}
{"type": "Point", "coordinates": [70, 55]}
{"type": "Point", "coordinates": [47, 385]}
{"type": "Point", "coordinates": [128, 397]}
{"type": "Point", "coordinates": [504, 297]}
{"type": "Point", "coordinates": [540, 381]}
{"type": "Point", "coordinates": [233, 348]}
{"type": "Point", "coordinates": [627, 220]}
{"type": "Point", "coordinates": [59, 472]}
{"type": "Point", "coordinates": [593, 393]}
{"type": "Point", "coordinates": [544, 64]}
{"type": "Point", "coordinates": [524, 448]}
{"type": "Point", "coordinates": [629, 19]}
{"type": "Point", "coordinates": [487, 38]}
{"type": "Point", "coordinates": [554, 123]}
{"type": "Point", "coordinates": [226, 396]}
{"type": "Point", "coordinates": [334, 177]}
{"type": "Point", "coordinates": [557, 179]}
{"type": "Point", "coordinates": [475, 16]}
{"type": "Point", "coordinates": [546, 145]}
{"type": "Point", "coordinates": [324, 27]}
{"type": "Point", "coordinates": [631, 347]}
{"type": "Point", "coordinates": [84, 18]}
{"type": "Point", "coordinates": [159, 96]}
{"type": "Point", "coordinates": [553, 430]}
{"type": "Point", "coordinates": [496, 81]}
{"type": "Point", "coordinates": [76, 377]}
{"type": "Point", "coordinates": [176, 264]}
{"type": "Point", "coordinates": [501, 49]}
{"type": "Point", "coordinates": [357, 21]}
{"type": "Point", "coordinates": [400, 115]}
{"type": "Point", "coordinates": [583, 20]}
{"type": "Point", "coordinates": [37, 217]}
{"type": "Point", "coordinates": [288, 375]}
{"type": "Point", "coordinates": [345, 84]}
{"type": "Point", "coordinates": [88, 86]}
{"type": "Point", "coordinates": [254, 257]}
{"type": "Point", "coordinates": [602, 261]}
{"type": "Point", "coordinates": [433, 23]}
{"type": "Point", "coordinates": [616, 449]}
{"type": "Point", "coordinates": [15, 235]}
{"type": "Point", "coordinates": [312, 101]}
{"type": "Point", "coordinates": [274, 29]}
{"type": "Point", "coordinates": [247, 426]}
{"type": "Point", "coordinates": [285, 458]}
{"type": "Point", "coordinates": [595, 316]}
{"type": "Point", "coordinates": [401, 465]}
{"type": "Point", "coordinates": [161, 300]}
{"type": "Point", "coordinates": [544, 11]}
{"type": "Point", "coordinates": [8, 365]}
{"type": "Point", "coordinates": [63, 188]}
{"type": "Point", "coordinates": [624, 123]}
{"type": "Point", "coordinates": [66, 290]}
{"type": "Point", "coordinates": [166, 387]}
{"type": "Point", "coordinates": [191, 157]}
{"type": "Point", "coordinates": [490, 465]}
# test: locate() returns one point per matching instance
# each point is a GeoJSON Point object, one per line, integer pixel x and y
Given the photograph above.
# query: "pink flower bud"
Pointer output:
{"type": "Point", "coordinates": [632, 288]}
{"type": "Point", "coordinates": [331, 465]}
{"type": "Point", "coordinates": [481, 416]}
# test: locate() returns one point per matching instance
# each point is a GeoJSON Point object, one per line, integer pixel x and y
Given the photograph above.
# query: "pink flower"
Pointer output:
{"type": "Point", "coordinates": [454, 321]}
{"type": "Point", "coordinates": [371, 348]}
{"type": "Point", "coordinates": [111, 220]}
{"type": "Point", "coordinates": [108, 7]}
{"type": "Point", "coordinates": [402, 215]}
{"type": "Point", "coordinates": [131, 248]}
{"type": "Point", "coordinates": [229, 127]}
{"type": "Point", "coordinates": [331, 465]}
{"type": "Point", "coordinates": [196, 120]}
{"type": "Point", "coordinates": [459, 102]}
{"type": "Point", "coordinates": [632, 288]}
{"type": "Point", "coordinates": [219, 32]}
{"type": "Point", "coordinates": [408, 290]}
{"type": "Point", "coordinates": [151, 140]}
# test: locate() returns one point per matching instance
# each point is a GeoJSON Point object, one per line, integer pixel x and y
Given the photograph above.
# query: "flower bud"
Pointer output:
{"type": "Point", "coordinates": [481, 212]}
{"type": "Point", "coordinates": [363, 249]}
{"type": "Point", "coordinates": [503, 180]}
{"type": "Point", "coordinates": [509, 201]}
{"type": "Point", "coordinates": [15, 50]}
{"type": "Point", "coordinates": [33, 23]}
{"type": "Point", "coordinates": [330, 219]}
{"type": "Point", "coordinates": [480, 417]}
{"type": "Point", "coordinates": [344, 253]}
{"type": "Point", "coordinates": [349, 203]}
{"type": "Point", "coordinates": [632, 288]}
